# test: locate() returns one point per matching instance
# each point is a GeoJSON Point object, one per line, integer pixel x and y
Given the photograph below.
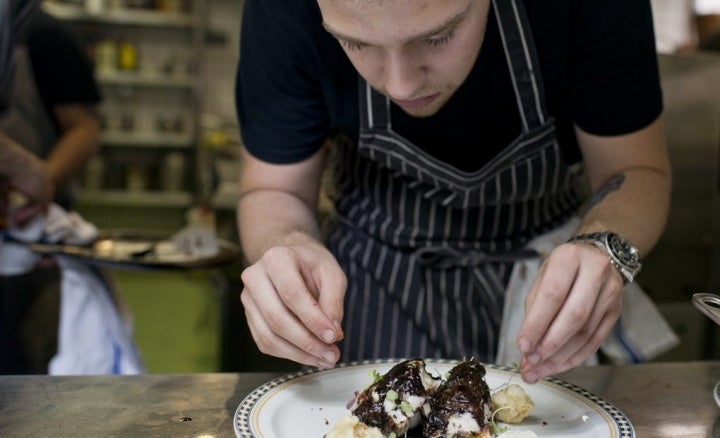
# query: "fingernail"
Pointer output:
{"type": "Point", "coordinates": [329, 336]}
{"type": "Point", "coordinates": [329, 356]}
{"type": "Point", "coordinates": [533, 359]}
{"type": "Point", "coordinates": [323, 364]}
{"type": "Point", "coordinates": [530, 377]}
{"type": "Point", "coordinates": [524, 345]}
{"type": "Point", "coordinates": [340, 333]}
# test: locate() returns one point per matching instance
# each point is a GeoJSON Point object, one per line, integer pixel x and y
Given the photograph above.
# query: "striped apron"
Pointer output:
{"type": "Point", "coordinates": [428, 248]}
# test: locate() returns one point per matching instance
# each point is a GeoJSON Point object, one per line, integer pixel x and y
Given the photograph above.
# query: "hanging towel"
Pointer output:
{"type": "Point", "coordinates": [93, 337]}
{"type": "Point", "coordinates": [640, 334]}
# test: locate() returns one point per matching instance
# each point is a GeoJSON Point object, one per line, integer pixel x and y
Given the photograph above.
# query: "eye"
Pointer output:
{"type": "Point", "coordinates": [440, 40]}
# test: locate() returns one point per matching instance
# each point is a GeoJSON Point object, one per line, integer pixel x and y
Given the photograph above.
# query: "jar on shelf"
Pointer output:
{"type": "Point", "coordinates": [172, 170]}
{"type": "Point", "coordinates": [127, 56]}
{"type": "Point", "coordinates": [94, 173]}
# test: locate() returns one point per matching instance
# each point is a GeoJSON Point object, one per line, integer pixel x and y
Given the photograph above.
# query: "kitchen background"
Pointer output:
{"type": "Point", "coordinates": [169, 143]}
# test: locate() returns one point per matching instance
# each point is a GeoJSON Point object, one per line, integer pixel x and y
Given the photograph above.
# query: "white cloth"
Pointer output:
{"type": "Point", "coordinates": [674, 22]}
{"type": "Point", "coordinates": [674, 27]}
{"type": "Point", "coordinates": [93, 338]}
{"type": "Point", "coordinates": [640, 334]}
{"type": "Point", "coordinates": [707, 7]}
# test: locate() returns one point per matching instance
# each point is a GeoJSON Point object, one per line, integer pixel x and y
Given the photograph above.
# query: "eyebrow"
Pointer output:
{"type": "Point", "coordinates": [437, 29]}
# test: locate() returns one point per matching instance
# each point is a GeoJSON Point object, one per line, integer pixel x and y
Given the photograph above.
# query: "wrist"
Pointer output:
{"type": "Point", "coordinates": [623, 254]}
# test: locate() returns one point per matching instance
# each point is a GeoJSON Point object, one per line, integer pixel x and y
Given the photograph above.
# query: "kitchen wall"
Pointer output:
{"type": "Point", "coordinates": [686, 260]}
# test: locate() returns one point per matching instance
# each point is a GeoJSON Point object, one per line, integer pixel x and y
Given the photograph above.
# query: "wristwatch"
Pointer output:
{"type": "Point", "coordinates": [623, 254]}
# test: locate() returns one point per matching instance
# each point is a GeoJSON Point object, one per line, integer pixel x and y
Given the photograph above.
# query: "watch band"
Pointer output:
{"type": "Point", "coordinates": [623, 254]}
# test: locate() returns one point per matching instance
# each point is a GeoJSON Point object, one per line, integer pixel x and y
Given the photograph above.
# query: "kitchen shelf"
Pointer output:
{"type": "Point", "coordinates": [150, 112]}
{"type": "Point", "coordinates": [177, 141]}
{"type": "Point", "coordinates": [143, 80]}
{"type": "Point", "coordinates": [127, 17]}
{"type": "Point", "coordinates": [135, 198]}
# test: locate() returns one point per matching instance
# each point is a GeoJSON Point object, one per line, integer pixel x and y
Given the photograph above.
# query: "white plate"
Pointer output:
{"type": "Point", "coordinates": [307, 404]}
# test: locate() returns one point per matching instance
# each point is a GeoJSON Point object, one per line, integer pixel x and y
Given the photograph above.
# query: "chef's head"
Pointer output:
{"type": "Point", "coordinates": [417, 52]}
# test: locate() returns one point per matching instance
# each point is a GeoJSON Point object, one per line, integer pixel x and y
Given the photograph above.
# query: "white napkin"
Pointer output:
{"type": "Point", "coordinates": [640, 334]}
{"type": "Point", "coordinates": [93, 338]}
{"type": "Point", "coordinates": [56, 226]}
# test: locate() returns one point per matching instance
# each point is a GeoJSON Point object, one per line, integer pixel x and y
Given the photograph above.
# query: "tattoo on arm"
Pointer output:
{"type": "Point", "coordinates": [613, 184]}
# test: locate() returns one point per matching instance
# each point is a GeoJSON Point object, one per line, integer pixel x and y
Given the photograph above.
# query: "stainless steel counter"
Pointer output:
{"type": "Point", "coordinates": [662, 400]}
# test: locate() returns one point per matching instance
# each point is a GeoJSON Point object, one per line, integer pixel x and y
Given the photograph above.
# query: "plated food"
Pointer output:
{"type": "Point", "coordinates": [409, 400]}
{"type": "Point", "coordinates": [310, 403]}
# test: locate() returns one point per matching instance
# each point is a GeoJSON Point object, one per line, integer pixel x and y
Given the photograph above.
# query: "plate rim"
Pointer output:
{"type": "Point", "coordinates": [242, 423]}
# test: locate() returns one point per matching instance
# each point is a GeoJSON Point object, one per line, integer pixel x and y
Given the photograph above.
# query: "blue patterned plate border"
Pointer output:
{"type": "Point", "coordinates": [618, 423]}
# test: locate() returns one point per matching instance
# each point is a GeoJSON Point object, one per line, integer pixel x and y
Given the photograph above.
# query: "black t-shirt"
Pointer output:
{"type": "Point", "coordinates": [295, 86]}
{"type": "Point", "coordinates": [62, 69]}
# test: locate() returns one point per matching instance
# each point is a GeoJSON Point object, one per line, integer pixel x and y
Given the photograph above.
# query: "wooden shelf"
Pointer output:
{"type": "Point", "coordinates": [126, 17]}
{"type": "Point", "coordinates": [112, 138]}
{"type": "Point", "coordinates": [135, 198]}
{"type": "Point", "coordinates": [144, 80]}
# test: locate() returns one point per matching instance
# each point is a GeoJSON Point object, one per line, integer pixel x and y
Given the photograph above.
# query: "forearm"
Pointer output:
{"type": "Point", "coordinates": [73, 149]}
{"type": "Point", "coordinates": [268, 218]}
{"type": "Point", "coordinates": [636, 209]}
{"type": "Point", "coordinates": [630, 176]}
{"type": "Point", "coordinates": [13, 158]}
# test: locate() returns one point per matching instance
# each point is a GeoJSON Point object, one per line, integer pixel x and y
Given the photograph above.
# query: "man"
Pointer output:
{"type": "Point", "coordinates": [22, 171]}
{"type": "Point", "coordinates": [459, 127]}
{"type": "Point", "coordinates": [51, 112]}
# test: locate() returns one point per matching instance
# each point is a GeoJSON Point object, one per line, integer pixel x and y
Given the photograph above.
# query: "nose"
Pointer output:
{"type": "Point", "coordinates": [404, 74]}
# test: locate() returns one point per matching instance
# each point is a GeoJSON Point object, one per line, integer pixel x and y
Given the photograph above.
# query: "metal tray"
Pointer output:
{"type": "Point", "coordinates": [709, 304]}
{"type": "Point", "coordinates": [134, 249]}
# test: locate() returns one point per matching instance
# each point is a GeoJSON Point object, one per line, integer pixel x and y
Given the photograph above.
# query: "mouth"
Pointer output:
{"type": "Point", "coordinates": [416, 104]}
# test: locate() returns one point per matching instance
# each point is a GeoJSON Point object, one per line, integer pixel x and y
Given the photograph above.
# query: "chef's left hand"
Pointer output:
{"type": "Point", "coordinates": [571, 308]}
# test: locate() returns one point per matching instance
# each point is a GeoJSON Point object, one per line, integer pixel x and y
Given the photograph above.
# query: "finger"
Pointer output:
{"type": "Point", "coordinates": [332, 296]}
{"type": "Point", "coordinates": [270, 342]}
{"type": "Point", "coordinates": [298, 295]}
{"type": "Point", "coordinates": [590, 347]}
{"type": "Point", "coordinates": [552, 290]}
{"type": "Point", "coordinates": [609, 302]}
{"type": "Point", "coordinates": [278, 318]}
{"type": "Point", "coordinates": [576, 311]}
{"type": "Point", "coordinates": [532, 294]}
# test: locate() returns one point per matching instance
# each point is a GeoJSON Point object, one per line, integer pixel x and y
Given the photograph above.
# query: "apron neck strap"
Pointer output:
{"type": "Point", "coordinates": [523, 64]}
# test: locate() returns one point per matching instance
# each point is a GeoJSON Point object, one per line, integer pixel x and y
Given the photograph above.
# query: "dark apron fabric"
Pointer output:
{"type": "Point", "coordinates": [29, 303]}
{"type": "Point", "coordinates": [427, 248]}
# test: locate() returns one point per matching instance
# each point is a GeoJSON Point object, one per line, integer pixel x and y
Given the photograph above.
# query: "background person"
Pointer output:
{"type": "Point", "coordinates": [51, 112]}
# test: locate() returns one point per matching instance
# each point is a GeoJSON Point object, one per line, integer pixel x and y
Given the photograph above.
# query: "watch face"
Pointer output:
{"type": "Point", "coordinates": [624, 251]}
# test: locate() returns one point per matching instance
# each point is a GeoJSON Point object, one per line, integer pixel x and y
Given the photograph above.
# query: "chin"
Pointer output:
{"type": "Point", "coordinates": [427, 111]}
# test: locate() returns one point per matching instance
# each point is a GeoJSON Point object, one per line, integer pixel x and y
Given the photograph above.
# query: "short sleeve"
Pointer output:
{"type": "Point", "coordinates": [282, 114]}
{"type": "Point", "coordinates": [616, 84]}
{"type": "Point", "coordinates": [63, 72]}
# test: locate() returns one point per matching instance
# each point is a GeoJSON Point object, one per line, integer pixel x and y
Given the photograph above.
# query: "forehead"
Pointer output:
{"type": "Point", "coordinates": [366, 19]}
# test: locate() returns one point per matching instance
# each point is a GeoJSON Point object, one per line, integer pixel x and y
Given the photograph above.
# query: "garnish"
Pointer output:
{"type": "Point", "coordinates": [406, 407]}
{"type": "Point", "coordinates": [391, 395]}
{"type": "Point", "coordinates": [375, 375]}
{"type": "Point", "coordinates": [496, 429]}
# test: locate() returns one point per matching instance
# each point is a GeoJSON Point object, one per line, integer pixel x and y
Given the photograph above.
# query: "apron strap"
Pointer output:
{"type": "Point", "coordinates": [443, 257]}
{"type": "Point", "coordinates": [375, 110]}
{"type": "Point", "coordinates": [523, 64]}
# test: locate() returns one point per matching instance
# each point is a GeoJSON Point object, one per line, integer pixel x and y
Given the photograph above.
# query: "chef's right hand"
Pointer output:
{"type": "Point", "coordinates": [293, 298]}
